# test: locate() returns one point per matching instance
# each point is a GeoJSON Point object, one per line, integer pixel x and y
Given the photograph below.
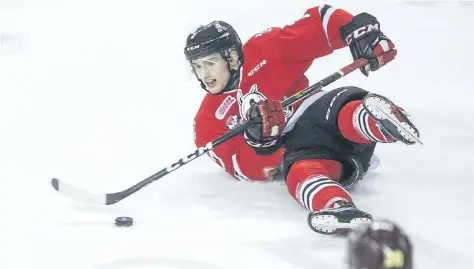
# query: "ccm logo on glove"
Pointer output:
{"type": "Point", "coordinates": [361, 32]}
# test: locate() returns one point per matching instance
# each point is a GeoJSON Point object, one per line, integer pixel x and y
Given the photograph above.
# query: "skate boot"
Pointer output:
{"type": "Point", "coordinates": [341, 219]}
{"type": "Point", "coordinates": [392, 121]}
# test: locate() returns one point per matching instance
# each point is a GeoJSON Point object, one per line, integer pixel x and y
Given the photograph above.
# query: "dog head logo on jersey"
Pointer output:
{"type": "Point", "coordinates": [247, 100]}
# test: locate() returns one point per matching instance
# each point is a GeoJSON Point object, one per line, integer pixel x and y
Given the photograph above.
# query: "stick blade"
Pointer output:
{"type": "Point", "coordinates": [78, 194]}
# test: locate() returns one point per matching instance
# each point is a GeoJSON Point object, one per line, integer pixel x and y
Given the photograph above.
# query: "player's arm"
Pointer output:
{"type": "Point", "coordinates": [235, 156]}
{"type": "Point", "coordinates": [361, 33]}
{"type": "Point", "coordinates": [324, 29]}
{"type": "Point", "coordinates": [314, 35]}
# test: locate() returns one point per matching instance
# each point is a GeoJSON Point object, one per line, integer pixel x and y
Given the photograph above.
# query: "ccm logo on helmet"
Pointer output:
{"type": "Point", "coordinates": [192, 48]}
{"type": "Point", "coordinates": [361, 31]}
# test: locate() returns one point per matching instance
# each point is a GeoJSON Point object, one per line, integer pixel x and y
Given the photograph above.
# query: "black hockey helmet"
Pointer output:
{"type": "Point", "coordinates": [380, 245]}
{"type": "Point", "coordinates": [217, 36]}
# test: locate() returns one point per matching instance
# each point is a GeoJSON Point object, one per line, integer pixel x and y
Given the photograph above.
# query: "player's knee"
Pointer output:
{"type": "Point", "coordinates": [304, 169]}
{"type": "Point", "coordinates": [338, 98]}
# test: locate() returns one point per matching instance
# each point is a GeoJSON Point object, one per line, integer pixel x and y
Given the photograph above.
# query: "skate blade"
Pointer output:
{"type": "Point", "coordinates": [370, 102]}
{"type": "Point", "coordinates": [329, 224]}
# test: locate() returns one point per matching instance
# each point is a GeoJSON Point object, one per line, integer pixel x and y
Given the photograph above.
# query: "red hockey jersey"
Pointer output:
{"type": "Point", "coordinates": [274, 67]}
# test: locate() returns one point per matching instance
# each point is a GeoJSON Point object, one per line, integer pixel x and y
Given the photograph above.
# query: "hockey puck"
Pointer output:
{"type": "Point", "coordinates": [123, 221]}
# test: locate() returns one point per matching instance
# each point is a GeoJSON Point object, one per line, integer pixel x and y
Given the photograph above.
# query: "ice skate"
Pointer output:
{"type": "Point", "coordinates": [392, 121]}
{"type": "Point", "coordinates": [341, 219]}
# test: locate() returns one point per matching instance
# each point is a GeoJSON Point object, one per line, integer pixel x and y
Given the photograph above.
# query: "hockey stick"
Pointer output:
{"type": "Point", "coordinates": [112, 198]}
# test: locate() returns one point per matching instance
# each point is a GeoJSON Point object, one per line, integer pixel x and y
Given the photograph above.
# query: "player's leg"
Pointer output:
{"type": "Point", "coordinates": [314, 185]}
{"type": "Point", "coordinates": [367, 120]}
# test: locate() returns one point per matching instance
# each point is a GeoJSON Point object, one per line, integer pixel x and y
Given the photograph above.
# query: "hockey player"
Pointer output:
{"type": "Point", "coordinates": [328, 140]}
{"type": "Point", "coordinates": [271, 64]}
{"type": "Point", "coordinates": [379, 245]}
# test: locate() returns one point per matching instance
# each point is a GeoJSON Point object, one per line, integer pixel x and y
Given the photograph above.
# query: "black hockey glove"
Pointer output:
{"type": "Point", "coordinates": [269, 121]}
{"type": "Point", "coordinates": [365, 40]}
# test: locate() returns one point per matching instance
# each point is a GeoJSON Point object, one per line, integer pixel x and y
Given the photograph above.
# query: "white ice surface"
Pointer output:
{"type": "Point", "coordinates": [97, 93]}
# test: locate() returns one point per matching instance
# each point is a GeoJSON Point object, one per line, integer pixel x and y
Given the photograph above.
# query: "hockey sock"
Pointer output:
{"type": "Point", "coordinates": [312, 184]}
{"type": "Point", "coordinates": [356, 125]}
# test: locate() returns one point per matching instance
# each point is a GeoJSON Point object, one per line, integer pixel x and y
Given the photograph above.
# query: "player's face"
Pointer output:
{"type": "Point", "coordinates": [213, 71]}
